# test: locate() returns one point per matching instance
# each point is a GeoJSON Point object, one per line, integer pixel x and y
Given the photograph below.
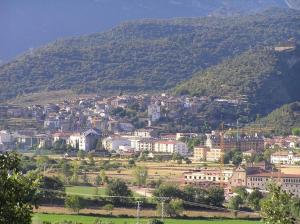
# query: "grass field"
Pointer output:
{"type": "Point", "coordinates": [86, 192]}
{"type": "Point", "coordinates": [39, 218]}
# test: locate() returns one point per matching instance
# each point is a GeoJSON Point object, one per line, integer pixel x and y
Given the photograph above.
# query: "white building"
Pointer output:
{"type": "Point", "coordinates": [285, 158]}
{"type": "Point", "coordinates": [144, 133]}
{"type": "Point", "coordinates": [85, 141]}
{"type": "Point", "coordinates": [114, 143]}
{"type": "Point", "coordinates": [171, 147]}
{"type": "Point", "coordinates": [5, 137]}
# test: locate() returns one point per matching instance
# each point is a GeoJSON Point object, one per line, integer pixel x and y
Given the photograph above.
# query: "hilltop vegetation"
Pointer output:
{"type": "Point", "coordinates": [143, 56]}
{"type": "Point", "coordinates": [266, 79]}
{"type": "Point", "coordinates": [283, 119]}
{"type": "Point", "coordinates": [41, 22]}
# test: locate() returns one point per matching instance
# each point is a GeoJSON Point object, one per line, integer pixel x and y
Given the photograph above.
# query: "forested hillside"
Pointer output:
{"type": "Point", "coordinates": [144, 55]}
{"type": "Point", "coordinates": [265, 78]}
{"type": "Point", "coordinates": [32, 23]}
{"type": "Point", "coordinates": [283, 119]}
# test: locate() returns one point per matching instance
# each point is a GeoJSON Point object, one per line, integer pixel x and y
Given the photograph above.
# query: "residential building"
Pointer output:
{"type": "Point", "coordinates": [243, 143]}
{"type": "Point", "coordinates": [285, 157]}
{"type": "Point", "coordinates": [85, 141]}
{"type": "Point", "coordinates": [145, 144]}
{"type": "Point", "coordinates": [113, 143]}
{"type": "Point", "coordinates": [5, 137]}
{"type": "Point", "coordinates": [171, 147]}
{"type": "Point", "coordinates": [200, 153]}
{"type": "Point", "coordinates": [145, 133]}
{"type": "Point", "coordinates": [207, 177]}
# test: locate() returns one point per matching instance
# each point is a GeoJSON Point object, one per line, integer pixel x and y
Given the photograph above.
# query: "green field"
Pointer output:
{"type": "Point", "coordinates": [87, 192]}
{"type": "Point", "coordinates": [39, 218]}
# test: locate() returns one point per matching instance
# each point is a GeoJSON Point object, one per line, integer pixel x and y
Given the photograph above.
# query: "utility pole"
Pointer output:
{"type": "Point", "coordinates": [162, 210]}
{"type": "Point", "coordinates": [138, 212]}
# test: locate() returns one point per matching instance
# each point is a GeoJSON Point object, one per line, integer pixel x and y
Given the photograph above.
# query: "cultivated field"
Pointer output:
{"type": "Point", "coordinates": [39, 218]}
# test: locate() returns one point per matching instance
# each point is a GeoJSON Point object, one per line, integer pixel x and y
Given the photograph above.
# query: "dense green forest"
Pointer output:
{"type": "Point", "coordinates": [149, 55]}
{"type": "Point", "coordinates": [283, 119]}
{"type": "Point", "coordinates": [263, 77]}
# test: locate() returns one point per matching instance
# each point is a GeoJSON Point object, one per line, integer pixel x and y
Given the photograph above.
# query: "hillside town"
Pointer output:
{"type": "Point", "coordinates": [134, 125]}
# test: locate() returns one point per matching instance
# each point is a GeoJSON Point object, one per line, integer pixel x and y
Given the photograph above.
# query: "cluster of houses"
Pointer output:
{"type": "Point", "coordinates": [252, 176]}
{"type": "Point", "coordinates": [217, 144]}
{"type": "Point", "coordinates": [249, 175]}
{"type": "Point", "coordinates": [146, 139]}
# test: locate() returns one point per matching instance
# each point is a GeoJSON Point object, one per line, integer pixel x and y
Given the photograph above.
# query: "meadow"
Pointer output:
{"type": "Point", "coordinates": [40, 218]}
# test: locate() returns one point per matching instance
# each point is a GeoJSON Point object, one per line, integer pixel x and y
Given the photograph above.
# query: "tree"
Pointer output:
{"type": "Point", "coordinates": [216, 196]}
{"type": "Point", "coordinates": [156, 221]}
{"type": "Point", "coordinates": [80, 154]}
{"type": "Point", "coordinates": [235, 202]}
{"type": "Point", "coordinates": [276, 208]}
{"type": "Point", "coordinates": [18, 191]}
{"type": "Point", "coordinates": [296, 207]}
{"type": "Point", "coordinates": [174, 208]}
{"type": "Point", "coordinates": [254, 199]}
{"type": "Point", "coordinates": [51, 188]}
{"type": "Point", "coordinates": [119, 191]}
{"type": "Point", "coordinates": [296, 131]}
{"type": "Point", "coordinates": [131, 163]}
{"type": "Point", "coordinates": [237, 157]}
{"type": "Point", "coordinates": [75, 171]}
{"type": "Point", "coordinates": [140, 175]}
{"type": "Point", "coordinates": [74, 203]}
{"type": "Point", "coordinates": [195, 194]}
{"type": "Point", "coordinates": [242, 192]}
{"type": "Point", "coordinates": [66, 170]}
{"type": "Point", "coordinates": [109, 208]}
{"type": "Point", "coordinates": [168, 191]}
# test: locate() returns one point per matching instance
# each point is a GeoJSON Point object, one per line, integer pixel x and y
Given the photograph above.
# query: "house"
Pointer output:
{"type": "Point", "coordinates": [207, 177]}
{"type": "Point", "coordinates": [200, 153]}
{"type": "Point", "coordinates": [204, 153]}
{"type": "Point", "coordinates": [171, 147]}
{"type": "Point", "coordinates": [85, 141]}
{"type": "Point", "coordinates": [113, 143]}
{"type": "Point", "coordinates": [214, 155]}
{"type": "Point", "coordinates": [145, 133]}
{"type": "Point", "coordinates": [145, 144]}
{"type": "Point", "coordinates": [285, 157]}
{"type": "Point", "coordinates": [5, 137]}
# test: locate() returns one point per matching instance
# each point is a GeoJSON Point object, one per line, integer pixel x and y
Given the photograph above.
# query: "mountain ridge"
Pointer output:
{"type": "Point", "coordinates": [144, 55]}
{"type": "Point", "coordinates": [30, 24]}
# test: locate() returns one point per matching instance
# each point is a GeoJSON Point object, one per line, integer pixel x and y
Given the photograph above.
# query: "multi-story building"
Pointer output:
{"type": "Point", "coordinates": [171, 147]}
{"type": "Point", "coordinates": [145, 133]}
{"type": "Point", "coordinates": [289, 182]}
{"type": "Point", "coordinates": [243, 143]}
{"type": "Point", "coordinates": [208, 176]}
{"type": "Point", "coordinates": [200, 153]}
{"type": "Point", "coordinates": [113, 143]}
{"type": "Point", "coordinates": [203, 153]}
{"type": "Point", "coordinates": [285, 157]}
{"type": "Point", "coordinates": [145, 145]}
{"type": "Point", "coordinates": [85, 141]}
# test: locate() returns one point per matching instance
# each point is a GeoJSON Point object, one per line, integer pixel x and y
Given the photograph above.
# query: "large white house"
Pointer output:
{"type": "Point", "coordinates": [114, 143]}
{"type": "Point", "coordinates": [171, 147]}
{"type": "Point", "coordinates": [285, 157]}
{"type": "Point", "coordinates": [85, 141]}
{"type": "Point", "coordinates": [5, 137]}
